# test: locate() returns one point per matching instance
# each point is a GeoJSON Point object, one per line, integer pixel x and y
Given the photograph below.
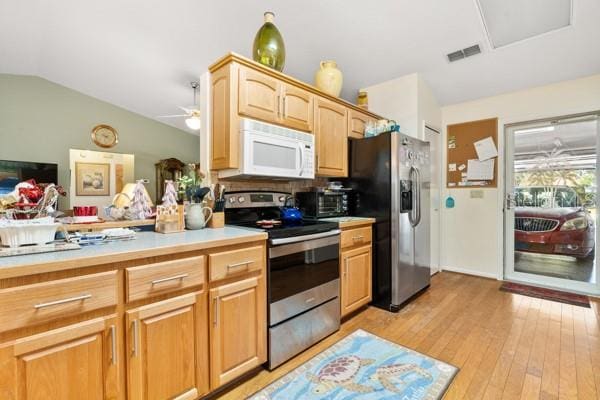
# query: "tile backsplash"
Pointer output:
{"type": "Point", "coordinates": [259, 184]}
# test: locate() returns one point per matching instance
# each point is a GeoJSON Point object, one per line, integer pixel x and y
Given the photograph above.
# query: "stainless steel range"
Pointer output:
{"type": "Point", "coordinates": [303, 275]}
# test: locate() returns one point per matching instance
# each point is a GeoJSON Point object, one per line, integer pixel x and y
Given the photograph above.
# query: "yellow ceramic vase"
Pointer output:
{"type": "Point", "coordinates": [329, 78]}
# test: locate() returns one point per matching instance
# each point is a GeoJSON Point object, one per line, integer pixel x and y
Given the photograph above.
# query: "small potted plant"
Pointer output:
{"type": "Point", "coordinates": [191, 190]}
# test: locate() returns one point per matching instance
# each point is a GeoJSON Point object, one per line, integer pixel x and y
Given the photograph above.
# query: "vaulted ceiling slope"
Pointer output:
{"type": "Point", "coordinates": [141, 54]}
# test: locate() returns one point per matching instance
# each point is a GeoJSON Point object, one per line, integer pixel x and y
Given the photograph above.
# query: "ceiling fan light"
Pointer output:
{"type": "Point", "coordinates": [193, 123]}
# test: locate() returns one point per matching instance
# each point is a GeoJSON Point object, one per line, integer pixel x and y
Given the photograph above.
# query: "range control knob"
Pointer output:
{"type": "Point", "coordinates": [232, 200]}
{"type": "Point", "coordinates": [281, 199]}
{"type": "Point", "coordinates": [241, 199]}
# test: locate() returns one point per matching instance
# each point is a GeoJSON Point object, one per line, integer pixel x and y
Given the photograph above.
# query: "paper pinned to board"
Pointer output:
{"type": "Point", "coordinates": [486, 149]}
{"type": "Point", "coordinates": [451, 167]}
{"type": "Point", "coordinates": [480, 170]}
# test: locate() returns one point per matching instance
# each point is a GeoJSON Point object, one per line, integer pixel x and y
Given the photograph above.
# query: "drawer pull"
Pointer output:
{"type": "Point", "coordinates": [241, 264]}
{"type": "Point", "coordinates": [356, 238]}
{"type": "Point", "coordinates": [63, 301]}
{"type": "Point", "coordinates": [171, 278]}
{"type": "Point", "coordinates": [113, 345]}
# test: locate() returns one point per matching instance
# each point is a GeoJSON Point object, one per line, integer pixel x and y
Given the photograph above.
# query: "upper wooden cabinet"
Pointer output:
{"type": "Point", "coordinates": [356, 123]}
{"type": "Point", "coordinates": [74, 362]}
{"type": "Point", "coordinates": [168, 349]}
{"type": "Point", "coordinates": [331, 134]}
{"type": "Point", "coordinates": [224, 118]}
{"type": "Point", "coordinates": [243, 88]}
{"type": "Point", "coordinates": [259, 96]}
{"type": "Point", "coordinates": [296, 108]}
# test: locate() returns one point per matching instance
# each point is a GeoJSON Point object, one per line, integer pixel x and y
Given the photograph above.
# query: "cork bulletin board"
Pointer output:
{"type": "Point", "coordinates": [460, 148]}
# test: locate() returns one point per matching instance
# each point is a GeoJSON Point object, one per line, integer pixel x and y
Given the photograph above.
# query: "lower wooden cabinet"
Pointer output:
{"type": "Point", "coordinates": [74, 362]}
{"type": "Point", "coordinates": [142, 348]}
{"type": "Point", "coordinates": [238, 325]}
{"type": "Point", "coordinates": [356, 278]}
{"type": "Point", "coordinates": [168, 349]}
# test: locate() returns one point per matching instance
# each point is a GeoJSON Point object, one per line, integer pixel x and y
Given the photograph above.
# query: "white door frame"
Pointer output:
{"type": "Point", "coordinates": [508, 271]}
{"type": "Point", "coordinates": [427, 125]}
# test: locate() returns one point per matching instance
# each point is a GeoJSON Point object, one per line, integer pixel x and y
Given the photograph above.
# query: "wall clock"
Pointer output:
{"type": "Point", "coordinates": [105, 136]}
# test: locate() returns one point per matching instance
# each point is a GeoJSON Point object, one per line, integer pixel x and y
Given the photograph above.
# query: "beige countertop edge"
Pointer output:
{"type": "Point", "coordinates": [350, 224]}
{"type": "Point", "coordinates": [88, 261]}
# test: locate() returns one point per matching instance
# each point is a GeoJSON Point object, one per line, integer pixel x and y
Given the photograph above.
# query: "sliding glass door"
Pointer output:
{"type": "Point", "coordinates": [551, 214]}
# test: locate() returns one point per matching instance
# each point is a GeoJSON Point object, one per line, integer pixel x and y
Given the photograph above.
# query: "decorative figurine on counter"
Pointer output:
{"type": "Point", "coordinates": [170, 197]}
{"type": "Point", "coordinates": [140, 208]}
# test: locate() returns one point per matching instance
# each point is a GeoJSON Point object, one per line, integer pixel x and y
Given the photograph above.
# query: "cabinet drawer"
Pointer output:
{"type": "Point", "coordinates": [153, 279]}
{"type": "Point", "coordinates": [33, 304]}
{"type": "Point", "coordinates": [355, 237]}
{"type": "Point", "coordinates": [236, 262]}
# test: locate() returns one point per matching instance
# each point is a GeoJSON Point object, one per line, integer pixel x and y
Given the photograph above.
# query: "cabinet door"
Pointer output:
{"type": "Point", "coordinates": [297, 108]}
{"type": "Point", "coordinates": [224, 129]}
{"type": "Point", "coordinates": [331, 130]}
{"type": "Point", "coordinates": [238, 329]}
{"type": "Point", "coordinates": [259, 95]}
{"type": "Point", "coordinates": [167, 348]}
{"type": "Point", "coordinates": [71, 363]}
{"type": "Point", "coordinates": [356, 124]}
{"type": "Point", "coordinates": [356, 278]}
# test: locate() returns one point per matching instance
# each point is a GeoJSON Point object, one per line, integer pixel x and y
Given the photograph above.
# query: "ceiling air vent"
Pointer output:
{"type": "Point", "coordinates": [464, 53]}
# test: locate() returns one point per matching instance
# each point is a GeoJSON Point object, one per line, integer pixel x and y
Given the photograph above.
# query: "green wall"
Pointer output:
{"type": "Point", "coordinates": [40, 121]}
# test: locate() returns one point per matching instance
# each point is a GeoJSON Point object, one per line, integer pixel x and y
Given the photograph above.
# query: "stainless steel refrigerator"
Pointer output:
{"type": "Point", "coordinates": [390, 176]}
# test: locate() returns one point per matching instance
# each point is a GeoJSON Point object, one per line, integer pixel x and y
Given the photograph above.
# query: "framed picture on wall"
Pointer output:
{"type": "Point", "coordinates": [92, 179]}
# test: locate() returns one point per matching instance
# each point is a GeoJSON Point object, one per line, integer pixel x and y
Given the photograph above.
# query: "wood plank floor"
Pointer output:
{"type": "Point", "coordinates": [507, 346]}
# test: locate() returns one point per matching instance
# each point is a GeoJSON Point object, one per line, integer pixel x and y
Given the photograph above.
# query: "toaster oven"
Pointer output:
{"type": "Point", "coordinates": [322, 204]}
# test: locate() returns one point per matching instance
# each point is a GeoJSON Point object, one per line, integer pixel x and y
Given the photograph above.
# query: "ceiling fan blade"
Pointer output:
{"type": "Point", "coordinates": [173, 116]}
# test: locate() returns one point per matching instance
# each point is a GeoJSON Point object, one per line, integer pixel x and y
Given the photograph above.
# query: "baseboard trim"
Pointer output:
{"type": "Point", "coordinates": [470, 272]}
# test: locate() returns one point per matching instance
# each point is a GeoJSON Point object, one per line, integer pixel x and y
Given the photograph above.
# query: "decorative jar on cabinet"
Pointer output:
{"type": "Point", "coordinates": [329, 78]}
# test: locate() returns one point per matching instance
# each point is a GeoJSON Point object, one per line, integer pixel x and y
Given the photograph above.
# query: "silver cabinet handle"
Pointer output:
{"type": "Point", "coordinates": [346, 267]}
{"type": "Point", "coordinates": [63, 301]}
{"type": "Point", "coordinates": [134, 333]}
{"type": "Point", "coordinates": [355, 238]}
{"type": "Point", "coordinates": [239, 264]}
{"type": "Point", "coordinates": [171, 278]}
{"type": "Point", "coordinates": [113, 345]}
{"type": "Point", "coordinates": [216, 309]}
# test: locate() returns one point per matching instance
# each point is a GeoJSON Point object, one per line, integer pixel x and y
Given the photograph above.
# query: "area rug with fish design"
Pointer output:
{"type": "Point", "coordinates": [366, 367]}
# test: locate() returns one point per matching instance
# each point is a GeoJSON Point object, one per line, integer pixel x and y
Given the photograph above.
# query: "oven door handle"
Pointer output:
{"type": "Point", "coordinates": [296, 239]}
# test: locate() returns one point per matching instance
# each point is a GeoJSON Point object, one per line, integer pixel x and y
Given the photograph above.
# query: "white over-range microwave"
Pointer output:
{"type": "Point", "coordinates": [272, 151]}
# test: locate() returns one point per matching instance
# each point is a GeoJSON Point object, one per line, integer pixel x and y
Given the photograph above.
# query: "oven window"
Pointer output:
{"type": "Point", "coordinates": [274, 156]}
{"type": "Point", "coordinates": [294, 273]}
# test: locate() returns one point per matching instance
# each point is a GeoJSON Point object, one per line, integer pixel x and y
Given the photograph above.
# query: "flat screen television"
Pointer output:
{"type": "Point", "coordinates": [13, 172]}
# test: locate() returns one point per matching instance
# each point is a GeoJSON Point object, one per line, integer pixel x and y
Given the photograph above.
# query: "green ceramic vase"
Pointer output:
{"type": "Point", "coordinates": [268, 48]}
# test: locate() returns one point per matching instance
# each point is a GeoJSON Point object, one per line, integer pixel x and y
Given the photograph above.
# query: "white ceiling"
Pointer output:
{"type": "Point", "coordinates": [141, 54]}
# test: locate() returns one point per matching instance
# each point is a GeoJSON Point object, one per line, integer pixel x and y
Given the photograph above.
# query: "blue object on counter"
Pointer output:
{"type": "Point", "coordinates": [449, 202]}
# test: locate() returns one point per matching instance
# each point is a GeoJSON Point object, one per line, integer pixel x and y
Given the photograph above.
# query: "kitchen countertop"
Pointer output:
{"type": "Point", "coordinates": [146, 244]}
{"type": "Point", "coordinates": [348, 222]}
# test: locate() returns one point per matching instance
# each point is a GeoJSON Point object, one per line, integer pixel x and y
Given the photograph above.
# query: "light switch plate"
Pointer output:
{"type": "Point", "coordinates": [477, 194]}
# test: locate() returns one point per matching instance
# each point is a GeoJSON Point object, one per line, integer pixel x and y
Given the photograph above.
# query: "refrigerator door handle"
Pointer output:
{"type": "Point", "coordinates": [415, 176]}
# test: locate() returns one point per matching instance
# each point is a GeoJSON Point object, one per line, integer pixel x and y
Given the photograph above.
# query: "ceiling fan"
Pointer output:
{"type": "Point", "coordinates": [192, 114]}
